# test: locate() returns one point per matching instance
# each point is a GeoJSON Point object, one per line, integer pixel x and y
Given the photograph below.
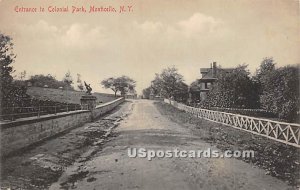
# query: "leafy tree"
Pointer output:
{"type": "Point", "coordinates": [6, 59]}
{"type": "Point", "coordinates": [266, 66]}
{"type": "Point", "coordinates": [168, 83]}
{"type": "Point", "coordinates": [195, 91]}
{"type": "Point", "coordinates": [156, 85]}
{"type": "Point", "coordinates": [280, 92]}
{"type": "Point", "coordinates": [181, 93]}
{"type": "Point", "coordinates": [49, 80]}
{"type": "Point", "coordinates": [147, 92]}
{"type": "Point", "coordinates": [233, 90]}
{"type": "Point", "coordinates": [112, 84]}
{"type": "Point", "coordinates": [42, 80]}
{"type": "Point", "coordinates": [122, 84]}
{"type": "Point", "coordinates": [11, 92]}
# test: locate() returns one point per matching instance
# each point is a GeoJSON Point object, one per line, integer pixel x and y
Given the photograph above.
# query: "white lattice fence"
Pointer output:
{"type": "Point", "coordinates": [288, 133]}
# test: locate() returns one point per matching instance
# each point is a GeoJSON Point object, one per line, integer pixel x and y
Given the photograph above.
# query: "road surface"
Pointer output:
{"type": "Point", "coordinates": [145, 127]}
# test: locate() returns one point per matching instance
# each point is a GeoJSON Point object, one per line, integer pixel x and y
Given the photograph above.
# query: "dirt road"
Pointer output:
{"type": "Point", "coordinates": [145, 127]}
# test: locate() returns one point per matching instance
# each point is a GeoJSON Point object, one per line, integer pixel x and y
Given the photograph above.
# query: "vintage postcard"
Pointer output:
{"type": "Point", "coordinates": [149, 94]}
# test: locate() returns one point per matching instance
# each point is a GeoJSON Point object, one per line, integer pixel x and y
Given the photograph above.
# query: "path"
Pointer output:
{"type": "Point", "coordinates": [112, 168]}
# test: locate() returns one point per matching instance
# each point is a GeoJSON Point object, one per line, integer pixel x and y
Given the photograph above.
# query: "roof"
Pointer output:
{"type": "Point", "coordinates": [208, 79]}
{"type": "Point", "coordinates": [207, 73]}
{"type": "Point", "coordinates": [204, 70]}
{"type": "Point", "coordinates": [227, 69]}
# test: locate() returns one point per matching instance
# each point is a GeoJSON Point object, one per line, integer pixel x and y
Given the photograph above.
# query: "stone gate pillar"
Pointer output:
{"type": "Point", "coordinates": [88, 102]}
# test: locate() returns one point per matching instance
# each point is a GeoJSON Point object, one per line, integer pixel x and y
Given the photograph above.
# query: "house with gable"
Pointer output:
{"type": "Point", "coordinates": [208, 77]}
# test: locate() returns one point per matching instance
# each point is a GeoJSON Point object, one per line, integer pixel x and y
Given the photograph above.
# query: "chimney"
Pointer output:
{"type": "Point", "coordinates": [214, 69]}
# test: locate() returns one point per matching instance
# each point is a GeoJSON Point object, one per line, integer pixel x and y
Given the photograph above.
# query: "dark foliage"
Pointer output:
{"type": "Point", "coordinates": [146, 93]}
{"type": "Point", "coordinates": [279, 90]}
{"type": "Point", "coordinates": [49, 81]}
{"type": "Point", "coordinates": [248, 112]}
{"type": "Point", "coordinates": [233, 90]}
{"type": "Point", "coordinates": [12, 91]}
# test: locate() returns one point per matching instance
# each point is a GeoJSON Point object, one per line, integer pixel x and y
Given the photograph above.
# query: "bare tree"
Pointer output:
{"type": "Point", "coordinates": [22, 75]}
{"type": "Point", "coordinates": [68, 79]}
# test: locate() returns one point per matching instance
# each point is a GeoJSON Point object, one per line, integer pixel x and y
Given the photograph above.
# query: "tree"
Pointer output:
{"type": "Point", "coordinates": [168, 83]}
{"type": "Point", "coordinates": [79, 82]}
{"type": "Point", "coordinates": [68, 79]}
{"type": "Point", "coordinates": [6, 59]}
{"type": "Point", "coordinates": [266, 66]}
{"type": "Point", "coordinates": [11, 92]}
{"type": "Point", "coordinates": [121, 84]}
{"type": "Point", "coordinates": [195, 91]}
{"type": "Point", "coordinates": [181, 93]}
{"type": "Point", "coordinates": [49, 80]}
{"type": "Point", "coordinates": [147, 92]}
{"type": "Point", "coordinates": [280, 92]}
{"type": "Point", "coordinates": [156, 86]}
{"type": "Point", "coordinates": [233, 90]}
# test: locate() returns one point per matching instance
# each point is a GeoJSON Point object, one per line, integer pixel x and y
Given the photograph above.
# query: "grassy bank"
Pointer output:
{"type": "Point", "coordinates": [59, 95]}
{"type": "Point", "coordinates": [277, 159]}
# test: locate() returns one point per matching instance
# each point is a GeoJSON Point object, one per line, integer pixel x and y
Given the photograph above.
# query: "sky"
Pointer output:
{"type": "Point", "coordinates": [155, 35]}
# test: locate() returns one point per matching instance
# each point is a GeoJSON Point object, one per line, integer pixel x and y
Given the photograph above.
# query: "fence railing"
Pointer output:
{"type": "Point", "coordinates": [13, 113]}
{"type": "Point", "coordinates": [288, 133]}
{"type": "Point", "coordinates": [237, 109]}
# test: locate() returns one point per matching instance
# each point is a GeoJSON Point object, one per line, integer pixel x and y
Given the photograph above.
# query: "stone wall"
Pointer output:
{"type": "Point", "coordinates": [104, 108]}
{"type": "Point", "coordinates": [27, 131]}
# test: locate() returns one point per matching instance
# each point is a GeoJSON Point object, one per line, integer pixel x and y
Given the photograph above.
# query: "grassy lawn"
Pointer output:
{"type": "Point", "coordinates": [59, 95]}
{"type": "Point", "coordinates": [277, 159]}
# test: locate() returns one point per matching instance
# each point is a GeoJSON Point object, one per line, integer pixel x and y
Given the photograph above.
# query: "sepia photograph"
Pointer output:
{"type": "Point", "coordinates": [149, 94]}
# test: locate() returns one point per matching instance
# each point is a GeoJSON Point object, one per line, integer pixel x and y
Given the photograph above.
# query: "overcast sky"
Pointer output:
{"type": "Point", "coordinates": [187, 34]}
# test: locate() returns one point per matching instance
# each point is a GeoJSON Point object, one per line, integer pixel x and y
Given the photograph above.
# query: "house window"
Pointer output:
{"type": "Point", "coordinates": [206, 85]}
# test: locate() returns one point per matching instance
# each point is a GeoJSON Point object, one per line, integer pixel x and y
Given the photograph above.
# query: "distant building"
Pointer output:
{"type": "Point", "coordinates": [209, 76]}
{"type": "Point", "coordinates": [131, 96]}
